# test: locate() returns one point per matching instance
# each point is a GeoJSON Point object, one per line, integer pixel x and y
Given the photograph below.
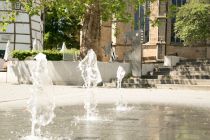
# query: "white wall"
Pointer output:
{"type": "Point", "coordinates": [22, 26]}
{"type": "Point", "coordinates": [171, 60]}
{"type": "Point", "coordinates": [62, 72]}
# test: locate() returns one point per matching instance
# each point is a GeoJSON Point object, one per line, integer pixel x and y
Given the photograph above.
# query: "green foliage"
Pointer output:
{"type": "Point", "coordinates": [78, 8]}
{"type": "Point", "coordinates": [7, 17]}
{"type": "Point", "coordinates": [22, 55]}
{"type": "Point", "coordinates": [53, 55]}
{"type": "Point", "coordinates": [61, 26]}
{"type": "Point", "coordinates": [192, 23]}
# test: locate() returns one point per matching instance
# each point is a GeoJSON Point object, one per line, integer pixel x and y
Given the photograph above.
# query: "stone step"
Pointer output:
{"type": "Point", "coordinates": [178, 86]}
{"type": "Point", "coordinates": [110, 85]}
{"type": "Point", "coordinates": [195, 60]}
{"type": "Point", "coordinates": [183, 77]}
{"type": "Point", "coordinates": [161, 73]}
{"type": "Point", "coordinates": [149, 77]}
{"type": "Point", "coordinates": [172, 73]}
{"type": "Point", "coordinates": [179, 73]}
{"type": "Point", "coordinates": [201, 65]}
{"type": "Point", "coordinates": [166, 69]}
{"type": "Point", "coordinates": [194, 63]}
{"type": "Point", "coordinates": [190, 68]}
{"type": "Point", "coordinates": [129, 85]}
{"type": "Point", "coordinates": [187, 73]}
{"type": "Point", "coordinates": [170, 81]}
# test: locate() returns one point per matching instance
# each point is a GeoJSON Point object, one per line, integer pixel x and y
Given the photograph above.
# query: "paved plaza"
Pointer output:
{"type": "Point", "coordinates": [157, 114]}
{"type": "Point", "coordinates": [17, 95]}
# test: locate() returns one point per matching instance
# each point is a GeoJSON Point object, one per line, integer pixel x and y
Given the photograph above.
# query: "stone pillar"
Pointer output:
{"type": "Point", "coordinates": [153, 33]}
{"type": "Point", "coordinates": [162, 30]}
{"type": "Point", "coordinates": [122, 45]}
{"type": "Point", "coordinates": [105, 40]}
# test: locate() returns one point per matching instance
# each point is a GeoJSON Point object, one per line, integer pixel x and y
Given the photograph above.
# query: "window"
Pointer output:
{"type": "Point", "coordinates": [17, 6]}
{"type": "Point", "coordinates": [147, 21]}
{"type": "Point", "coordinates": [142, 21]}
{"type": "Point", "coordinates": [175, 39]}
{"type": "Point", "coordinates": [178, 2]}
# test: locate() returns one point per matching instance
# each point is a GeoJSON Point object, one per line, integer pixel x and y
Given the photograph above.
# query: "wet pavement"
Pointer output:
{"type": "Point", "coordinates": [143, 122]}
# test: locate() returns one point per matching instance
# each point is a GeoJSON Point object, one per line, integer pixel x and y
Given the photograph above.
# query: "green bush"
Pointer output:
{"type": "Point", "coordinates": [53, 55]}
{"type": "Point", "coordinates": [22, 55]}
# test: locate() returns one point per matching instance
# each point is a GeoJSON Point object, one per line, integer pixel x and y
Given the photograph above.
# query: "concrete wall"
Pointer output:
{"type": "Point", "coordinates": [147, 68]}
{"type": "Point", "coordinates": [171, 60]}
{"type": "Point", "coordinates": [61, 72]}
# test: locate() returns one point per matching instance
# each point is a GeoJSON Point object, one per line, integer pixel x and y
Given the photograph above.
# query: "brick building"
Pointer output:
{"type": "Point", "coordinates": [156, 41]}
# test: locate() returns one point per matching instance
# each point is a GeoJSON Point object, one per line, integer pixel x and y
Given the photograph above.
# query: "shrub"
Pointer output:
{"type": "Point", "coordinates": [53, 55]}
{"type": "Point", "coordinates": [22, 55]}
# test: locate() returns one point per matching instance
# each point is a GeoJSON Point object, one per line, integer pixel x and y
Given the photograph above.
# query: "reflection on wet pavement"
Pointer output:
{"type": "Point", "coordinates": [144, 122]}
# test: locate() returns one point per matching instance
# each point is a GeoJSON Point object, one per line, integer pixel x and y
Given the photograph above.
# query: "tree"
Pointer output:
{"type": "Point", "coordinates": [192, 23]}
{"type": "Point", "coordinates": [61, 28]}
{"type": "Point", "coordinates": [90, 13]}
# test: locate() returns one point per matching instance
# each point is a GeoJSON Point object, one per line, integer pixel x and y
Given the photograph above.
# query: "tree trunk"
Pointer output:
{"type": "Point", "coordinates": [91, 29]}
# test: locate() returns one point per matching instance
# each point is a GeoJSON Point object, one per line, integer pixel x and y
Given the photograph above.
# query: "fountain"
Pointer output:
{"type": "Point", "coordinates": [121, 104]}
{"type": "Point", "coordinates": [41, 104]}
{"type": "Point", "coordinates": [91, 77]}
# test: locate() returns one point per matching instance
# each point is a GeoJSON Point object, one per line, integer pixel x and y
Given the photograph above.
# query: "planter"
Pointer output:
{"type": "Point", "coordinates": [61, 72]}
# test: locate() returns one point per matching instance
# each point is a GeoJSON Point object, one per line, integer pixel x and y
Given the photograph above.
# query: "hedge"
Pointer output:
{"type": "Point", "coordinates": [53, 55]}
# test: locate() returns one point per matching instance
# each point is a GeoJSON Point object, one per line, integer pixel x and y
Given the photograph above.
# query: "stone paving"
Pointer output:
{"type": "Point", "coordinates": [158, 114]}
{"type": "Point", "coordinates": [16, 96]}
{"type": "Point", "coordinates": [143, 122]}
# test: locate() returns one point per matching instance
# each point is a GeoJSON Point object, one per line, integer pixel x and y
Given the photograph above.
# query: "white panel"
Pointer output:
{"type": "Point", "coordinates": [3, 46]}
{"type": "Point", "coordinates": [36, 18]}
{"type": "Point", "coordinates": [22, 17]}
{"type": "Point", "coordinates": [36, 25]}
{"type": "Point", "coordinates": [22, 47]}
{"type": "Point", "coordinates": [22, 28]}
{"type": "Point", "coordinates": [6, 37]}
{"type": "Point", "coordinates": [23, 38]}
{"type": "Point", "coordinates": [10, 28]}
{"type": "Point", "coordinates": [4, 6]}
{"type": "Point", "coordinates": [36, 35]}
{"type": "Point", "coordinates": [3, 14]}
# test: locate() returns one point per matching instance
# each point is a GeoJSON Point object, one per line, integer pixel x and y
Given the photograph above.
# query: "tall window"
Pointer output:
{"type": "Point", "coordinates": [175, 39]}
{"type": "Point", "coordinates": [147, 21]}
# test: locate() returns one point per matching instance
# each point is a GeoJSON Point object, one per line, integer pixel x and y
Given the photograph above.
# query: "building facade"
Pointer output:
{"type": "Point", "coordinates": [156, 40]}
{"type": "Point", "coordinates": [23, 30]}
